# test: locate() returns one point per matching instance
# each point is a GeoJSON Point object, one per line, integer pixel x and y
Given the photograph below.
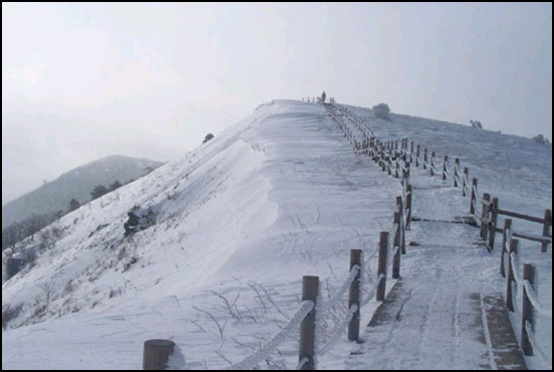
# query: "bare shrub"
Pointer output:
{"type": "Point", "coordinates": [381, 111]}
{"type": "Point", "coordinates": [10, 313]}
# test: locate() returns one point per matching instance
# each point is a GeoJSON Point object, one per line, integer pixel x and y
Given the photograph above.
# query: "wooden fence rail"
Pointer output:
{"type": "Point", "coordinates": [489, 221]}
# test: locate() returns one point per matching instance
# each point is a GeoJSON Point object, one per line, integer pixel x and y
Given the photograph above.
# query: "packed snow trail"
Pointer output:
{"type": "Point", "coordinates": [438, 315]}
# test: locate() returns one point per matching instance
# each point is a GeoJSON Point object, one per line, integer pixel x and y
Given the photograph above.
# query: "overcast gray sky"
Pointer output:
{"type": "Point", "coordinates": [82, 81]}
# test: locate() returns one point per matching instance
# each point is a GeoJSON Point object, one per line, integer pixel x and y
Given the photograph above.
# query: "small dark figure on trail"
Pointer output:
{"type": "Point", "coordinates": [131, 224]}
{"type": "Point", "coordinates": [323, 96]}
{"type": "Point", "coordinates": [209, 137]}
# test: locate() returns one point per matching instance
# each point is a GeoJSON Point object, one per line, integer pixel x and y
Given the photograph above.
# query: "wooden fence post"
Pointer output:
{"type": "Point", "coordinates": [493, 222]}
{"type": "Point", "coordinates": [310, 290]}
{"type": "Point", "coordinates": [514, 247]}
{"type": "Point", "coordinates": [466, 177]}
{"type": "Point", "coordinates": [528, 314]}
{"type": "Point", "coordinates": [546, 229]}
{"type": "Point", "coordinates": [433, 164]}
{"type": "Point", "coordinates": [156, 354]}
{"type": "Point", "coordinates": [445, 168]}
{"type": "Point", "coordinates": [417, 156]}
{"type": "Point", "coordinates": [425, 158]}
{"type": "Point", "coordinates": [400, 206]}
{"type": "Point", "coordinates": [457, 173]}
{"type": "Point", "coordinates": [396, 245]}
{"type": "Point", "coordinates": [354, 295]}
{"type": "Point", "coordinates": [485, 216]}
{"type": "Point", "coordinates": [505, 247]}
{"type": "Point", "coordinates": [473, 197]}
{"type": "Point", "coordinates": [409, 198]}
{"type": "Point", "coordinates": [382, 268]}
{"type": "Point", "coordinates": [406, 174]}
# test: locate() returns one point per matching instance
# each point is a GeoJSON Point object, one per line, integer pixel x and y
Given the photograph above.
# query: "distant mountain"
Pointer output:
{"type": "Point", "coordinates": [77, 183]}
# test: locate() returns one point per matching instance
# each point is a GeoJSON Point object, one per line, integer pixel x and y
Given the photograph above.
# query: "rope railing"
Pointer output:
{"type": "Point", "coordinates": [339, 330]}
{"type": "Point", "coordinates": [540, 310]}
{"type": "Point", "coordinates": [537, 350]}
{"type": "Point", "coordinates": [253, 360]}
{"type": "Point", "coordinates": [333, 301]}
{"type": "Point", "coordinates": [514, 262]}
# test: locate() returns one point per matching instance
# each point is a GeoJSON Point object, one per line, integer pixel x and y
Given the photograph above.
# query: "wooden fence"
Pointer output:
{"type": "Point", "coordinates": [396, 158]}
{"type": "Point", "coordinates": [489, 220]}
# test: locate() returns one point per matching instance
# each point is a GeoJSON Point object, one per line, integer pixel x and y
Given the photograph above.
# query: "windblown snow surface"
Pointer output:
{"type": "Point", "coordinates": [239, 221]}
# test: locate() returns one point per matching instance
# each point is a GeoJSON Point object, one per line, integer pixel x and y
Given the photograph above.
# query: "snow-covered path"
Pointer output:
{"type": "Point", "coordinates": [437, 316]}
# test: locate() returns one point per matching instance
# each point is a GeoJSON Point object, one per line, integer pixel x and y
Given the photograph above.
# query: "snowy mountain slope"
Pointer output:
{"type": "Point", "coordinates": [239, 221]}
{"type": "Point", "coordinates": [278, 196]}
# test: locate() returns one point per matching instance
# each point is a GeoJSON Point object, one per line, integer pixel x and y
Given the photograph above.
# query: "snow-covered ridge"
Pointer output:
{"type": "Point", "coordinates": [93, 254]}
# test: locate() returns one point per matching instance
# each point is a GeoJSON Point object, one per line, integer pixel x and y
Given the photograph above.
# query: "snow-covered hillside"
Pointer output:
{"type": "Point", "coordinates": [238, 222]}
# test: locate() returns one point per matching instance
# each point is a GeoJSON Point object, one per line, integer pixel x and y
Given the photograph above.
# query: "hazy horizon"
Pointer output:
{"type": "Point", "coordinates": [150, 80]}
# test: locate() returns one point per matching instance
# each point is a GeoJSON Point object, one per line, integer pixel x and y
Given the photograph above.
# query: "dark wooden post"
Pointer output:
{"type": "Point", "coordinates": [528, 315]}
{"type": "Point", "coordinates": [354, 295]}
{"type": "Point", "coordinates": [411, 147]}
{"type": "Point", "coordinates": [400, 206]}
{"type": "Point", "coordinates": [466, 177]}
{"type": "Point", "coordinates": [382, 269]}
{"type": "Point", "coordinates": [425, 158]}
{"type": "Point", "coordinates": [445, 168]}
{"type": "Point", "coordinates": [493, 222]}
{"type": "Point", "coordinates": [473, 197]}
{"type": "Point", "coordinates": [505, 245]}
{"type": "Point", "coordinates": [409, 198]}
{"type": "Point", "coordinates": [396, 247]}
{"type": "Point", "coordinates": [485, 216]}
{"type": "Point", "coordinates": [457, 173]}
{"type": "Point", "coordinates": [310, 290]}
{"type": "Point", "coordinates": [546, 229]}
{"type": "Point", "coordinates": [433, 164]}
{"type": "Point", "coordinates": [156, 354]}
{"type": "Point", "coordinates": [514, 247]}
{"type": "Point", "coordinates": [417, 156]}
